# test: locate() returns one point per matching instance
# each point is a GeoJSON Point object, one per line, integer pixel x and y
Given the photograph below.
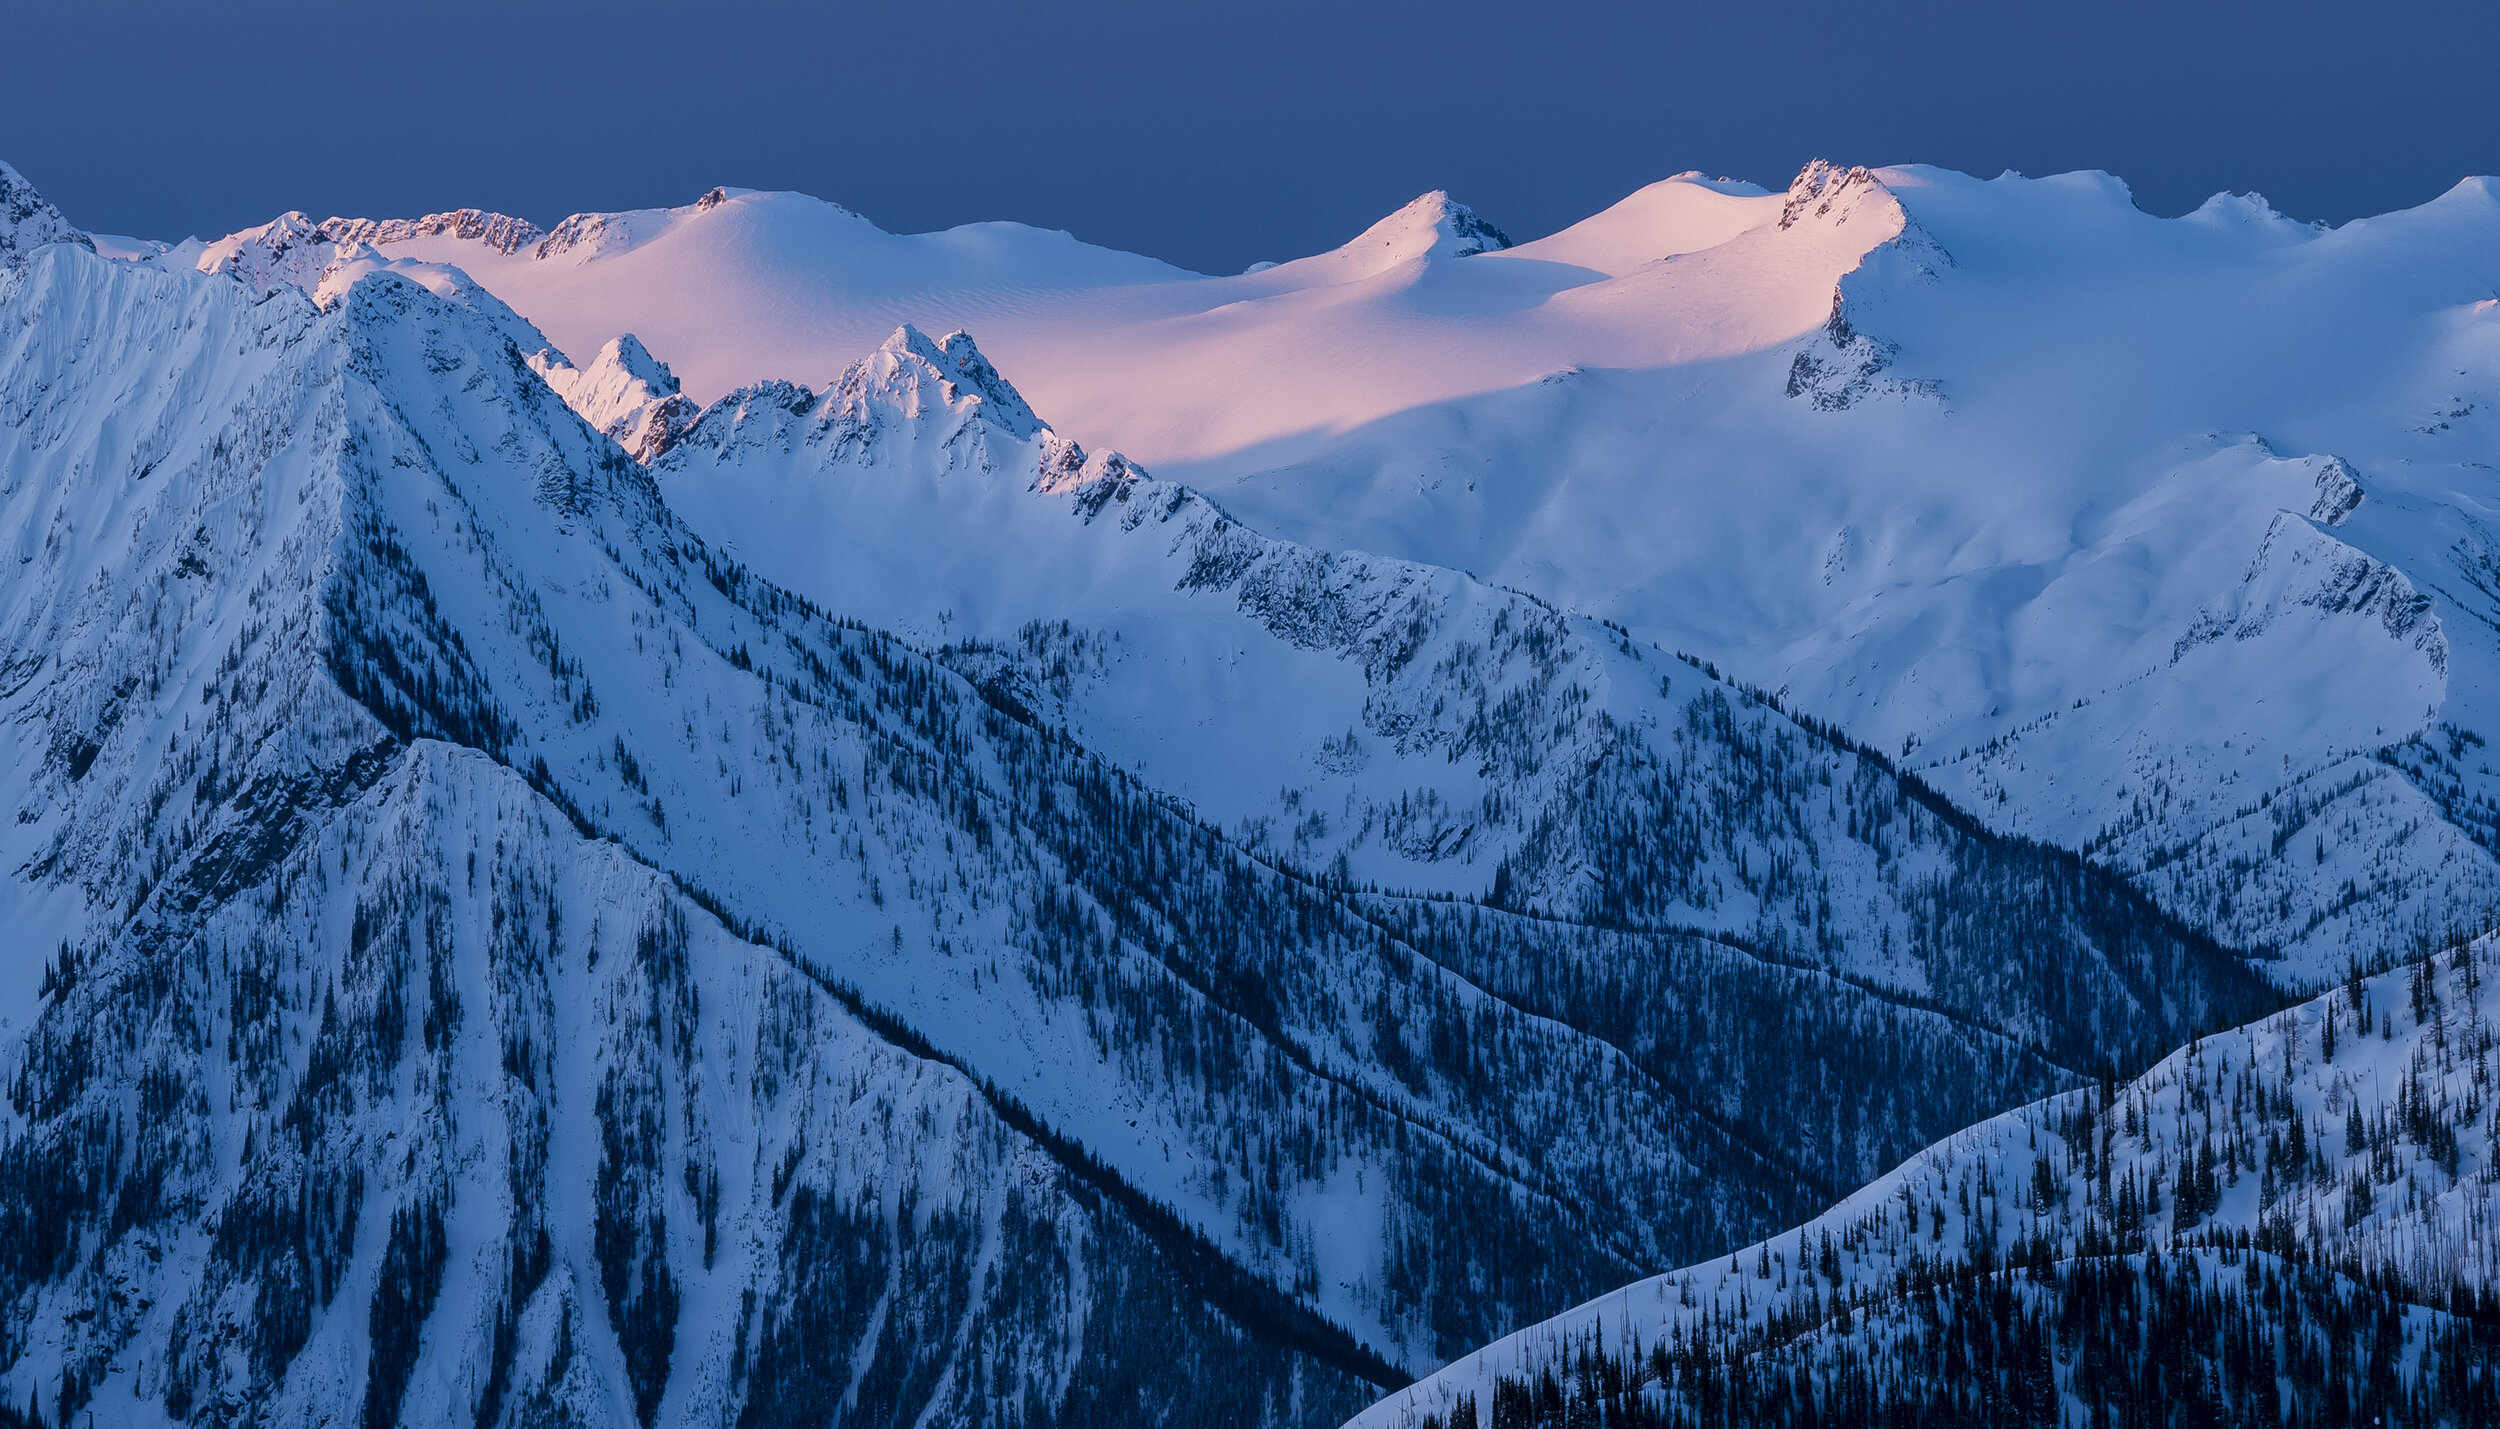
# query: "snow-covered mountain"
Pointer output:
{"type": "Point", "coordinates": [879, 909]}
{"type": "Point", "coordinates": [625, 392]}
{"type": "Point", "coordinates": [28, 220]}
{"type": "Point", "coordinates": [1392, 727]}
{"type": "Point", "coordinates": [2295, 1216]}
{"type": "Point", "coordinates": [455, 1108]}
{"type": "Point", "coordinates": [2167, 539]}
{"type": "Point", "coordinates": [1372, 721]}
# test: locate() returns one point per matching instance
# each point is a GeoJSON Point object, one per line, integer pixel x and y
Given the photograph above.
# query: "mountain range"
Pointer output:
{"type": "Point", "coordinates": [608, 831]}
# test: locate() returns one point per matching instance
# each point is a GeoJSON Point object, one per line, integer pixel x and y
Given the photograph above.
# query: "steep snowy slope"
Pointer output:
{"type": "Point", "coordinates": [2294, 1215]}
{"type": "Point", "coordinates": [1363, 718]}
{"type": "Point", "coordinates": [362, 1083]}
{"type": "Point", "coordinates": [2165, 538]}
{"type": "Point", "coordinates": [625, 392]}
{"type": "Point", "coordinates": [499, 957]}
{"type": "Point", "coordinates": [28, 221]}
{"type": "Point", "coordinates": [1378, 722]}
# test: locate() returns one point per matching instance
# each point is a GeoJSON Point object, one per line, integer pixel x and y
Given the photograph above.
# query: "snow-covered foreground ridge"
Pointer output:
{"type": "Point", "coordinates": [2295, 1218]}
{"type": "Point", "coordinates": [2166, 538]}
{"type": "Point", "coordinates": [485, 952]}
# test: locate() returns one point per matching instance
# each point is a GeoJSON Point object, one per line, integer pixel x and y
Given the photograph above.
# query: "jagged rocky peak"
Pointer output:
{"type": "Point", "coordinates": [499, 231]}
{"type": "Point", "coordinates": [1852, 214]}
{"type": "Point", "coordinates": [918, 376]}
{"type": "Point", "coordinates": [1857, 208]}
{"type": "Point", "coordinates": [1433, 226]}
{"type": "Point", "coordinates": [938, 396]}
{"type": "Point", "coordinates": [1824, 190]}
{"type": "Point", "coordinates": [1067, 467]}
{"type": "Point", "coordinates": [626, 354]}
{"type": "Point", "coordinates": [625, 392]}
{"type": "Point", "coordinates": [623, 364]}
{"type": "Point", "coordinates": [28, 220]}
{"type": "Point", "coordinates": [2338, 492]}
{"type": "Point", "coordinates": [288, 251]}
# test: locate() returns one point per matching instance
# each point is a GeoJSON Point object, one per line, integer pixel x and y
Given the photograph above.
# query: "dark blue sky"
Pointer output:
{"type": "Point", "coordinates": [1213, 134]}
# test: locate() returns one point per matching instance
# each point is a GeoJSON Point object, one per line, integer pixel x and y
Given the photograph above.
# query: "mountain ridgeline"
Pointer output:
{"type": "Point", "coordinates": [2164, 538]}
{"type": "Point", "coordinates": [2285, 1224]}
{"type": "Point", "coordinates": [499, 943]}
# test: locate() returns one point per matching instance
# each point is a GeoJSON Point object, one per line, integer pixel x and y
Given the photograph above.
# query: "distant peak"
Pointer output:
{"type": "Point", "coordinates": [1066, 468]}
{"type": "Point", "coordinates": [498, 231]}
{"type": "Point", "coordinates": [1434, 225]}
{"type": "Point", "coordinates": [28, 220]}
{"type": "Point", "coordinates": [720, 194]}
{"type": "Point", "coordinates": [288, 229]}
{"type": "Point", "coordinates": [909, 339]}
{"type": "Point", "coordinates": [625, 392]}
{"type": "Point", "coordinates": [2473, 188]}
{"type": "Point", "coordinates": [1823, 190]}
{"type": "Point", "coordinates": [626, 354]}
{"type": "Point", "coordinates": [1470, 231]}
{"type": "Point", "coordinates": [896, 372]}
{"type": "Point", "coordinates": [2250, 207]}
{"type": "Point", "coordinates": [287, 251]}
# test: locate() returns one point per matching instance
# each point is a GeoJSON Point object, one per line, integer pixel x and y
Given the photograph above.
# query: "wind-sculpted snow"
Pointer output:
{"type": "Point", "coordinates": [1954, 465]}
{"type": "Point", "coordinates": [2293, 1216]}
{"type": "Point", "coordinates": [436, 843]}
